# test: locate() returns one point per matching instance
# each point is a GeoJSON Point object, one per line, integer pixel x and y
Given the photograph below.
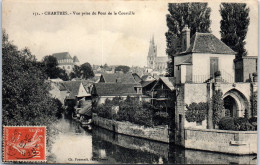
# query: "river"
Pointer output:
{"type": "Point", "coordinates": [77, 145]}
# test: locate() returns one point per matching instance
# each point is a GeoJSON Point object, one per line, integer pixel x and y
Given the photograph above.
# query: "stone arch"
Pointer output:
{"type": "Point", "coordinates": [236, 102]}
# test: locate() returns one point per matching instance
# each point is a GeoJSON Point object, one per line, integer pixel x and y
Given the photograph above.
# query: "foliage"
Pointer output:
{"type": "Point", "coordinates": [25, 94]}
{"type": "Point", "coordinates": [236, 124]}
{"type": "Point", "coordinates": [132, 110]}
{"type": "Point", "coordinates": [86, 71]}
{"type": "Point", "coordinates": [51, 69]}
{"type": "Point", "coordinates": [217, 106]}
{"type": "Point", "coordinates": [234, 26]}
{"type": "Point", "coordinates": [253, 100]}
{"type": "Point", "coordinates": [161, 118]}
{"type": "Point", "coordinates": [122, 68]}
{"type": "Point", "coordinates": [76, 72]}
{"type": "Point", "coordinates": [195, 15]}
{"type": "Point", "coordinates": [226, 123]}
{"type": "Point", "coordinates": [253, 121]}
{"type": "Point", "coordinates": [196, 112]}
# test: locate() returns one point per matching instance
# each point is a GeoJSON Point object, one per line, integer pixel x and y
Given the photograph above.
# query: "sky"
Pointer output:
{"type": "Point", "coordinates": [99, 39]}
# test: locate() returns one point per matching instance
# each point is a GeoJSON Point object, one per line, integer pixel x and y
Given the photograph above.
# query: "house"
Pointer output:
{"type": "Point", "coordinates": [206, 65]}
{"type": "Point", "coordinates": [65, 61]}
{"type": "Point", "coordinates": [147, 87]}
{"type": "Point", "coordinates": [77, 90]}
{"type": "Point", "coordinates": [103, 91]}
{"type": "Point", "coordinates": [163, 93]}
{"type": "Point", "coordinates": [201, 57]}
{"type": "Point", "coordinates": [58, 90]}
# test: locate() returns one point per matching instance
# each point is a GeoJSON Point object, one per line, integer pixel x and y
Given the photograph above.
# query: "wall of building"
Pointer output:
{"type": "Point", "coordinates": [195, 93]}
{"type": "Point", "coordinates": [232, 142]}
{"type": "Point", "coordinates": [249, 67]}
{"type": "Point", "coordinates": [158, 133]}
{"type": "Point", "coordinates": [179, 60]}
{"type": "Point", "coordinates": [201, 64]}
{"type": "Point", "coordinates": [68, 68]}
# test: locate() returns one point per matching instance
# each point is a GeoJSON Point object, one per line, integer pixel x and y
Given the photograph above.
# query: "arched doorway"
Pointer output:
{"type": "Point", "coordinates": [235, 103]}
{"type": "Point", "coordinates": [230, 106]}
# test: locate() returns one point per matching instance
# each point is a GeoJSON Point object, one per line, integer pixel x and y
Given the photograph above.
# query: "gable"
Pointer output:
{"type": "Point", "coordinates": [82, 91]}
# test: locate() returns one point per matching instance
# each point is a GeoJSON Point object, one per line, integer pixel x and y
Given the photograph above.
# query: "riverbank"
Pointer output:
{"type": "Point", "coordinates": [158, 133]}
{"type": "Point", "coordinates": [222, 141]}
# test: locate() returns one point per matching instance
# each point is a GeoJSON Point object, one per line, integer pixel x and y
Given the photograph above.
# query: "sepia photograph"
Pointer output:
{"type": "Point", "coordinates": [129, 82]}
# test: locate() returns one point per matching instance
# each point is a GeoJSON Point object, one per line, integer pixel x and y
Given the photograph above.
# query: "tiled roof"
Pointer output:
{"type": "Point", "coordinates": [73, 87]}
{"type": "Point", "coordinates": [62, 55]}
{"type": "Point", "coordinates": [145, 83]}
{"type": "Point", "coordinates": [118, 77]}
{"type": "Point", "coordinates": [207, 43]}
{"type": "Point", "coordinates": [169, 82]}
{"type": "Point", "coordinates": [136, 77]}
{"type": "Point", "coordinates": [114, 89]}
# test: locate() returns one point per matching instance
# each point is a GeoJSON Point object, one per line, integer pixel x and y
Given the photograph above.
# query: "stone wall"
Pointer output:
{"type": "Point", "coordinates": [232, 142]}
{"type": "Point", "coordinates": [158, 133]}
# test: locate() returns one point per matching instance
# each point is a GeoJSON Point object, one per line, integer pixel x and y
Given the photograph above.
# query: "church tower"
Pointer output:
{"type": "Point", "coordinates": [152, 54]}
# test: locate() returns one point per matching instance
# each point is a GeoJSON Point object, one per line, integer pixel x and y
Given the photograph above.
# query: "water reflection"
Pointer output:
{"type": "Point", "coordinates": [77, 145]}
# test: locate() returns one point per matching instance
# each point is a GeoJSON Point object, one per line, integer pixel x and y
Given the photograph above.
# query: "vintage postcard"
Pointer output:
{"type": "Point", "coordinates": [113, 82]}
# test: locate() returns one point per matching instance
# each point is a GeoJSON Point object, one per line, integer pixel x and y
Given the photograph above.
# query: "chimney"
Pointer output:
{"type": "Point", "coordinates": [185, 38]}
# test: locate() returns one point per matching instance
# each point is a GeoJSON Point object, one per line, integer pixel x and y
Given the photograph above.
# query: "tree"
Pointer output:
{"type": "Point", "coordinates": [122, 68]}
{"type": "Point", "coordinates": [52, 70]}
{"type": "Point", "coordinates": [234, 26]}
{"type": "Point", "coordinates": [195, 15]}
{"type": "Point", "coordinates": [76, 73]}
{"type": "Point", "coordinates": [25, 93]}
{"type": "Point", "coordinates": [86, 71]}
{"type": "Point", "coordinates": [217, 106]}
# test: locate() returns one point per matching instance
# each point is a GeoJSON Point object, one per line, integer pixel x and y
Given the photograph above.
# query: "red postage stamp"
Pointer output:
{"type": "Point", "coordinates": [26, 143]}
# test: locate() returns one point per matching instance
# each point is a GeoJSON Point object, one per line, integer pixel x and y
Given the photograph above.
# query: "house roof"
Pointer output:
{"type": "Point", "coordinates": [114, 89]}
{"type": "Point", "coordinates": [62, 55]}
{"type": "Point", "coordinates": [168, 81]}
{"type": "Point", "coordinates": [207, 43]}
{"type": "Point", "coordinates": [145, 83]}
{"type": "Point", "coordinates": [144, 77]}
{"type": "Point", "coordinates": [118, 77]}
{"type": "Point", "coordinates": [136, 77]}
{"type": "Point", "coordinates": [73, 87]}
{"type": "Point", "coordinates": [75, 59]}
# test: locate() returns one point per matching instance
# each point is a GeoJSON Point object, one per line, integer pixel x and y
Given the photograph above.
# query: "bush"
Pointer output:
{"type": "Point", "coordinates": [143, 117]}
{"type": "Point", "coordinates": [253, 121]}
{"type": "Point", "coordinates": [196, 112]}
{"type": "Point", "coordinates": [235, 124]}
{"type": "Point", "coordinates": [242, 124]}
{"type": "Point", "coordinates": [226, 123]}
{"type": "Point", "coordinates": [161, 118]}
